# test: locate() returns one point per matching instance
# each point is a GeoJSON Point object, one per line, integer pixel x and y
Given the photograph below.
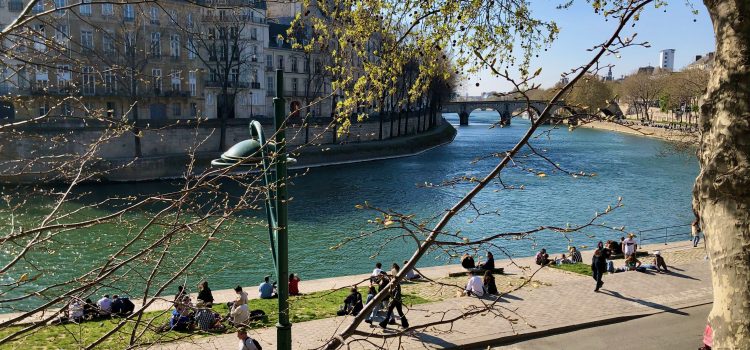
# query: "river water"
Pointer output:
{"type": "Point", "coordinates": [654, 185]}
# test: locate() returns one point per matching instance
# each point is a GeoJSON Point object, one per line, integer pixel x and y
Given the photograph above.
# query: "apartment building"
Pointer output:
{"type": "Point", "coordinates": [143, 61]}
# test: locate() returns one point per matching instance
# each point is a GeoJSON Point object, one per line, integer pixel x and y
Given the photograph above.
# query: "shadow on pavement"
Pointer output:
{"type": "Point", "coordinates": [645, 303]}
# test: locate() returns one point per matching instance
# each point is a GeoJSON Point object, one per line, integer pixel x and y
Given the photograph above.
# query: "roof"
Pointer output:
{"type": "Point", "coordinates": [274, 31]}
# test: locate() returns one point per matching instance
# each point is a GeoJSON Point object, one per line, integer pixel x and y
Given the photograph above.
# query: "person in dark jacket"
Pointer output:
{"type": "Point", "coordinates": [467, 261]}
{"type": "Point", "coordinates": [489, 264]}
{"type": "Point", "coordinates": [598, 267]}
{"type": "Point", "coordinates": [489, 283]}
{"type": "Point", "coordinates": [396, 302]}
{"type": "Point", "coordinates": [352, 304]}
{"type": "Point", "coordinates": [205, 295]}
{"type": "Point", "coordinates": [122, 306]}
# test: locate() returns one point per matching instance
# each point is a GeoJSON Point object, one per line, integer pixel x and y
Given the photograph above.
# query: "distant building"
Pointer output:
{"type": "Point", "coordinates": [666, 59]}
{"type": "Point", "coordinates": [702, 62]}
{"type": "Point", "coordinates": [564, 80]}
{"type": "Point", "coordinates": [646, 70]}
{"type": "Point", "coordinates": [609, 75]}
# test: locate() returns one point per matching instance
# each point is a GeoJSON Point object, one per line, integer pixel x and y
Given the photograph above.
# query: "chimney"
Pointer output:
{"type": "Point", "coordinates": [698, 57]}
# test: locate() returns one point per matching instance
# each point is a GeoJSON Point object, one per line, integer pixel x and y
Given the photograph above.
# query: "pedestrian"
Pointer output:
{"type": "Point", "coordinates": [205, 295]}
{"type": "Point", "coordinates": [293, 284]}
{"type": "Point", "coordinates": [396, 303]}
{"type": "Point", "coordinates": [247, 343]}
{"type": "Point", "coordinates": [695, 231]}
{"type": "Point", "coordinates": [598, 267]}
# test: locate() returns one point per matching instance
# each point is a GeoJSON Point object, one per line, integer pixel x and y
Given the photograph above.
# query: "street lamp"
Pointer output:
{"type": "Point", "coordinates": [251, 152]}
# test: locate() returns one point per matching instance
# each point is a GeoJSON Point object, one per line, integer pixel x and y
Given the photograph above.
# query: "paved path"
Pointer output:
{"type": "Point", "coordinates": [567, 300]}
{"type": "Point", "coordinates": [656, 332]}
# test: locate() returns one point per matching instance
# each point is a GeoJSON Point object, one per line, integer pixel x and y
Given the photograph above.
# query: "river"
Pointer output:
{"type": "Point", "coordinates": [654, 185]}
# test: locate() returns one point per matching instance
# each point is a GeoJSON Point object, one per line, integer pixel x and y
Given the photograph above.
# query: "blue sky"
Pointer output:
{"type": "Point", "coordinates": [677, 28]}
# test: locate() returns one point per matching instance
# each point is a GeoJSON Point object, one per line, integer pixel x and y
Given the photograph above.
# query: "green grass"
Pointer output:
{"type": "Point", "coordinates": [580, 268]}
{"type": "Point", "coordinates": [75, 336]}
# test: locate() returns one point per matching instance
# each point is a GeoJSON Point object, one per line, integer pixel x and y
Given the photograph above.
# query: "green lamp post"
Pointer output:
{"type": "Point", "coordinates": [257, 150]}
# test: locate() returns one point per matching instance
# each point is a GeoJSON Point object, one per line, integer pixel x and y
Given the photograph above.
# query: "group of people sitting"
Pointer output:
{"type": "Point", "coordinates": [106, 307]}
{"type": "Point", "coordinates": [467, 262]}
{"type": "Point", "coordinates": [543, 259]}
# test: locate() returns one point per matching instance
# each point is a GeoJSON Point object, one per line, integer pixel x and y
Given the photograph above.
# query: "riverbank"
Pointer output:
{"type": "Point", "coordinates": [352, 149]}
{"type": "Point", "coordinates": [673, 135]}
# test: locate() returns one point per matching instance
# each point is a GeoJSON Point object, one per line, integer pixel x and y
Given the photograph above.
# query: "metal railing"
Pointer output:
{"type": "Point", "coordinates": [655, 234]}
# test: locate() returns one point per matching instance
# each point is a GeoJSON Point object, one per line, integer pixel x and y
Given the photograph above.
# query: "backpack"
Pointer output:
{"type": "Point", "coordinates": [255, 343]}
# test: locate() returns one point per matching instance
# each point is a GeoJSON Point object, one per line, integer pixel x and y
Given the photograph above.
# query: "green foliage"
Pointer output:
{"type": "Point", "coordinates": [580, 268]}
{"type": "Point", "coordinates": [307, 307]}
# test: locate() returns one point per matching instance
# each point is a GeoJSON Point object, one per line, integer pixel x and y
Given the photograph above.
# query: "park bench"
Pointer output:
{"type": "Point", "coordinates": [496, 271]}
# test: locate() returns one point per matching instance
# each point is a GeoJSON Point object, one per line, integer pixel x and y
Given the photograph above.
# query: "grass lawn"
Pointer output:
{"type": "Point", "coordinates": [75, 336]}
{"type": "Point", "coordinates": [583, 269]}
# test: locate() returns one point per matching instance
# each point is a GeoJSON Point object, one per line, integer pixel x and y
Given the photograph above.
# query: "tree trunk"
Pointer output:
{"type": "Point", "coordinates": [722, 189]}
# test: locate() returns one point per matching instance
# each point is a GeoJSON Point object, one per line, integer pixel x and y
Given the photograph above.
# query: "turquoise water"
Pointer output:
{"type": "Point", "coordinates": [655, 188]}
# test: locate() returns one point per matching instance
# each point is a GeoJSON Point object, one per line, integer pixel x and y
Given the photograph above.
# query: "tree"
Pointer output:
{"type": "Point", "coordinates": [721, 195]}
{"type": "Point", "coordinates": [590, 94]}
{"type": "Point", "coordinates": [641, 91]}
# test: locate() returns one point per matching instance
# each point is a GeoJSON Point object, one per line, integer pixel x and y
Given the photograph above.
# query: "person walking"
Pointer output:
{"type": "Point", "coordinates": [598, 267]}
{"type": "Point", "coordinates": [396, 303]}
{"type": "Point", "coordinates": [695, 231]}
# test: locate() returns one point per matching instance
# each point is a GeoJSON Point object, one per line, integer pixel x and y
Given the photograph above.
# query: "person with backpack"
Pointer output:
{"type": "Point", "coordinates": [247, 343]}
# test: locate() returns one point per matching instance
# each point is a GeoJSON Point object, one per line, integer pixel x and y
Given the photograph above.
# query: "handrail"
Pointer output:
{"type": "Point", "coordinates": [642, 237]}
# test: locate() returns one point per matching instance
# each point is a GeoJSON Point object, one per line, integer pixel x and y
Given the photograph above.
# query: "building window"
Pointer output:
{"type": "Point", "coordinates": [87, 39]}
{"type": "Point", "coordinates": [129, 43]}
{"type": "Point", "coordinates": [307, 65]}
{"type": "Point", "coordinates": [193, 109]}
{"type": "Point", "coordinates": [294, 65]}
{"type": "Point", "coordinates": [281, 62]}
{"type": "Point", "coordinates": [254, 33]}
{"type": "Point", "coordinates": [190, 19]}
{"type": "Point", "coordinates": [234, 75]}
{"type": "Point", "coordinates": [43, 109]}
{"type": "Point", "coordinates": [85, 8]}
{"type": "Point", "coordinates": [177, 110]}
{"type": "Point", "coordinates": [128, 14]}
{"type": "Point", "coordinates": [15, 5]}
{"type": "Point", "coordinates": [67, 110]}
{"type": "Point", "coordinates": [108, 43]}
{"type": "Point", "coordinates": [63, 76]}
{"type": "Point", "coordinates": [110, 84]}
{"type": "Point", "coordinates": [192, 50]}
{"type": "Point", "coordinates": [191, 83]}
{"type": "Point", "coordinates": [155, 44]}
{"type": "Point", "coordinates": [154, 14]}
{"type": "Point", "coordinates": [156, 80]}
{"type": "Point", "coordinates": [60, 4]}
{"type": "Point", "coordinates": [173, 17]}
{"type": "Point", "coordinates": [38, 7]}
{"type": "Point", "coordinates": [294, 85]}
{"type": "Point", "coordinates": [269, 61]}
{"type": "Point", "coordinates": [62, 35]}
{"type": "Point", "coordinates": [176, 78]}
{"type": "Point", "coordinates": [269, 83]}
{"type": "Point", "coordinates": [174, 45]}
{"type": "Point", "coordinates": [108, 9]}
{"type": "Point", "coordinates": [88, 80]}
{"type": "Point", "coordinates": [39, 32]}
{"type": "Point", "coordinates": [111, 109]}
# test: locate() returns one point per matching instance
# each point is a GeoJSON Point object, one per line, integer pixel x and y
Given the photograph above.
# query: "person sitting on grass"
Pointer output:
{"type": "Point", "coordinates": [562, 260]}
{"type": "Point", "coordinates": [542, 258]}
{"type": "Point", "coordinates": [204, 294]}
{"type": "Point", "coordinates": [352, 304]}
{"type": "Point", "coordinates": [90, 310]}
{"type": "Point", "coordinates": [293, 284]}
{"type": "Point", "coordinates": [475, 286]}
{"type": "Point", "coordinates": [239, 315]}
{"type": "Point", "coordinates": [411, 275]}
{"type": "Point", "coordinates": [122, 306]}
{"type": "Point", "coordinates": [633, 264]}
{"type": "Point", "coordinates": [575, 255]}
{"type": "Point", "coordinates": [467, 261]}
{"type": "Point", "coordinates": [207, 320]}
{"type": "Point", "coordinates": [489, 264]}
{"type": "Point", "coordinates": [266, 290]}
{"type": "Point", "coordinates": [105, 305]}
{"type": "Point", "coordinates": [489, 283]}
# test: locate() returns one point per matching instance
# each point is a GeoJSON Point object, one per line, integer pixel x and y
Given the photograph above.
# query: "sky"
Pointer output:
{"type": "Point", "coordinates": [580, 29]}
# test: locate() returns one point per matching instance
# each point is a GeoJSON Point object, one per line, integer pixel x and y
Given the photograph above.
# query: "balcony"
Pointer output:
{"type": "Point", "coordinates": [175, 93]}
{"type": "Point", "coordinates": [255, 85]}
{"type": "Point", "coordinates": [231, 84]}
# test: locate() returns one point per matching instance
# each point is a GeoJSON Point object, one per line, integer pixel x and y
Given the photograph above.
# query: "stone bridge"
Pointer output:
{"type": "Point", "coordinates": [507, 109]}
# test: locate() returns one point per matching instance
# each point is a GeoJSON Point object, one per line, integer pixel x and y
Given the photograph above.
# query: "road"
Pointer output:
{"type": "Point", "coordinates": [661, 331]}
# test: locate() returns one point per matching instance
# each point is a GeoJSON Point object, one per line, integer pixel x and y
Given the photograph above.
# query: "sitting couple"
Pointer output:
{"type": "Point", "coordinates": [467, 262]}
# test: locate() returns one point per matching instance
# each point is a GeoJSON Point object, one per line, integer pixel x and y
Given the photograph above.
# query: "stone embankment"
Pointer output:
{"type": "Point", "coordinates": [666, 134]}
{"type": "Point", "coordinates": [168, 151]}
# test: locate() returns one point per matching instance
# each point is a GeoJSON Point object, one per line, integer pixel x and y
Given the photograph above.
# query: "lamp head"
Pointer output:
{"type": "Point", "coordinates": [248, 152]}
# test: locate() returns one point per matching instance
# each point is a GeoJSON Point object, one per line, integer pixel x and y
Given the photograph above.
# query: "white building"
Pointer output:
{"type": "Point", "coordinates": [666, 59]}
